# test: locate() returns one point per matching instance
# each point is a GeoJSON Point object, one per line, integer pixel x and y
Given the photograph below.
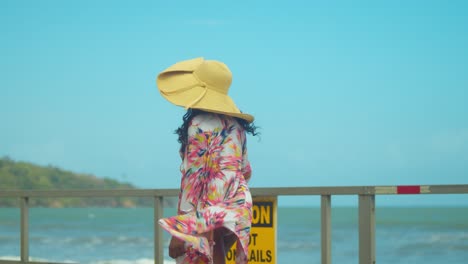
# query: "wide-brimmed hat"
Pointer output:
{"type": "Point", "coordinates": [200, 84]}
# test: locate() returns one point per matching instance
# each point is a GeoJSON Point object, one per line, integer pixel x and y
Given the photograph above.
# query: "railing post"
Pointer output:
{"type": "Point", "coordinates": [326, 228]}
{"type": "Point", "coordinates": [366, 229]}
{"type": "Point", "coordinates": [158, 232]}
{"type": "Point", "coordinates": [24, 229]}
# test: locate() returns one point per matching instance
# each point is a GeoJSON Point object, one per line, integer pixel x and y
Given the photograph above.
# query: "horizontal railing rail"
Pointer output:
{"type": "Point", "coordinates": [366, 208]}
{"type": "Point", "coordinates": [262, 191]}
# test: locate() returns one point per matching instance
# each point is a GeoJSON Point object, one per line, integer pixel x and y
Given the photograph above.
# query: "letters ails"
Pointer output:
{"type": "Point", "coordinates": [260, 250]}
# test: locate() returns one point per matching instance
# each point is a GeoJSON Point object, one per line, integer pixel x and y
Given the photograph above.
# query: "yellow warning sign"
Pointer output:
{"type": "Point", "coordinates": [262, 247]}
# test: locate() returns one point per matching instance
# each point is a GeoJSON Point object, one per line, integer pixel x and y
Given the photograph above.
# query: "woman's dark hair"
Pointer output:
{"type": "Point", "coordinates": [191, 113]}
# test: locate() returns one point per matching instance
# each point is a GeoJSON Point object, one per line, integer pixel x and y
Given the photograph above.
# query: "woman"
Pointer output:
{"type": "Point", "coordinates": [214, 209]}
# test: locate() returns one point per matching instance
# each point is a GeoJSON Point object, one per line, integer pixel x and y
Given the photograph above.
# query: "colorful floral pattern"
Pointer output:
{"type": "Point", "coordinates": [214, 192]}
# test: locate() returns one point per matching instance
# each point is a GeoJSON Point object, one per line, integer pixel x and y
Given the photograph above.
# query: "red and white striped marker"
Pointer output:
{"type": "Point", "coordinates": [402, 189]}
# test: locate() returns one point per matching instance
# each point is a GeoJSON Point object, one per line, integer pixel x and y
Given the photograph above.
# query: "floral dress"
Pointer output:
{"type": "Point", "coordinates": [214, 191]}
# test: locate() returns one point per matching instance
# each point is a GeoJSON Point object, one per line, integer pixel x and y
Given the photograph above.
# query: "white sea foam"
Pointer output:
{"type": "Point", "coordinates": [9, 258]}
{"type": "Point", "coordinates": [110, 261]}
{"type": "Point", "coordinates": [17, 258]}
{"type": "Point", "coordinates": [446, 237]}
{"type": "Point", "coordinates": [90, 241]}
{"type": "Point", "coordinates": [132, 261]}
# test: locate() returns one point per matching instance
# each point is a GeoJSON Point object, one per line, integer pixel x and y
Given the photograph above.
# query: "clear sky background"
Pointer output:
{"type": "Point", "coordinates": [345, 92]}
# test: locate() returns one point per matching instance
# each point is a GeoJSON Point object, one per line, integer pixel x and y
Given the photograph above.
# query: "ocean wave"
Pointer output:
{"type": "Point", "coordinates": [133, 261]}
{"type": "Point", "coordinates": [110, 261]}
{"type": "Point", "coordinates": [437, 238]}
{"type": "Point", "coordinates": [17, 258]}
{"type": "Point", "coordinates": [432, 243]}
{"type": "Point", "coordinates": [297, 245]}
{"type": "Point", "coordinates": [9, 258]}
{"type": "Point", "coordinates": [447, 238]}
{"type": "Point", "coordinates": [92, 240]}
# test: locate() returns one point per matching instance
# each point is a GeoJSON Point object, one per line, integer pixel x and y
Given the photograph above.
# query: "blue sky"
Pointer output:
{"type": "Point", "coordinates": [345, 92]}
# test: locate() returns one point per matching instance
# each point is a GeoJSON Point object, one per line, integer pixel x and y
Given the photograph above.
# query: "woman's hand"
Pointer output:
{"type": "Point", "coordinates": [176, 247]}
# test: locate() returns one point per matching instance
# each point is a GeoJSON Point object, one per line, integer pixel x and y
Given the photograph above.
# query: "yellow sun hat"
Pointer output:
{"type": "Point", "coordinates": [200, 84]}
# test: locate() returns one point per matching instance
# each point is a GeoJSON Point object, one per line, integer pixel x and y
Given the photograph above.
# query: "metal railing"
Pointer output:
{"type": "Point", "coordinates": [366, 208]}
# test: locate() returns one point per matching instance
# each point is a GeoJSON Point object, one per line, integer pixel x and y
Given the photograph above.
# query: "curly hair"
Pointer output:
{"type": "Point", "coordinates": [191, 113]}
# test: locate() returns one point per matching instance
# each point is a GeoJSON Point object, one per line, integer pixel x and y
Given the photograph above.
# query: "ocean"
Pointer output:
{"type": "Point", "coordinates": [420, 235]}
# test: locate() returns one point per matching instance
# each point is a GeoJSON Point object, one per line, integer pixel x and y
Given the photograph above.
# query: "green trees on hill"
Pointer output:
{"type": "Point", "coordinates": [15, 175]}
